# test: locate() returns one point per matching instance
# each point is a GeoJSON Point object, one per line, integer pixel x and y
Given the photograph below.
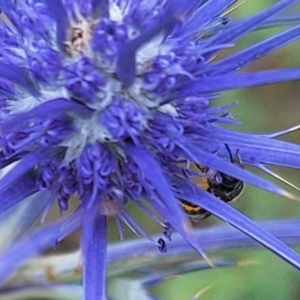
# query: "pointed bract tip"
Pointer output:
{"type": "Point", "coordinates": [290, 196]}
{"type": "Point", "coordinates": [208, 260]}
{"type": "Point", "coordinates": [202, 292]}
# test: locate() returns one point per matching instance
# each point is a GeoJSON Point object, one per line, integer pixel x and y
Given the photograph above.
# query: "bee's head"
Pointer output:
{"type": "Point", "coordinates": [234, 159]}
{"type": "Point", "coordinates": [224, 179]}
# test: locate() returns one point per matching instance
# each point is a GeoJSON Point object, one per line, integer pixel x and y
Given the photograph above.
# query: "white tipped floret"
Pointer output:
{"type": "Point", "coordinates": [88, 131]}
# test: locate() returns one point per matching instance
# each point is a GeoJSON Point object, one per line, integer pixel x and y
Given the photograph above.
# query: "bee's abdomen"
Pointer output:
{"type": "Point", "coordinates": [227, 192]}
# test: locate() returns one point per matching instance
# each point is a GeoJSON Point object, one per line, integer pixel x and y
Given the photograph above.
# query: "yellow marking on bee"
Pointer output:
{"type": "Point", "coordinates": [190, 208]}
{"type": "Point", "coordinates": [203, 183]}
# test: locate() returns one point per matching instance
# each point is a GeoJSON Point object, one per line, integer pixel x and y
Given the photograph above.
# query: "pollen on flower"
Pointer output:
{"type": "Point", "coordinates": [80, 34]}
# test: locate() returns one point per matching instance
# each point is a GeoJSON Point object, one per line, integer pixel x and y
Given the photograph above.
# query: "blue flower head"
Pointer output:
{"type": "Point", "coordinates": [110, 102]}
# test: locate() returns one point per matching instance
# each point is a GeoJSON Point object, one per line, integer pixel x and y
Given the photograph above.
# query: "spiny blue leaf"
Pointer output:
{"type": "Point", "coordinates": [18, 76]}
{"type": "Point", "coordinates": [100, 8]}
{"type": "Point", "coordinates": [204, 15]}
{"type": "Point", "coordinates": [221, 83]}
{"type": "Point", "coordinates": [242, 28]}
{"type": "Point", "coordinates": [172, 212]}
{"type": "Point", "coordinates": [24, 166]}
{"type": "Point", "coordinates": [26, 186]}
{"type": "Point", "coordinates": [94, 243]}
{"type": "Point", "coordinates": [57, 9]}
{"type": "Point", "coordinates": [253, 148]}
{"type": "Point", "coordinates": [35, 244]}
{"type": "Point", "coordinates": [255, 52]}
{"type": "Point", "coordinates": [55, 107]}
{"type": "Point", "coordinates": [20, 217]}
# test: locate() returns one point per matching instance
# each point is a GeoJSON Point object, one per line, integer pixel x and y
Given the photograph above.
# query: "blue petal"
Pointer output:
{"type": "Point", "coordinates": [34, 244]}
{"type": "Point", "coordinates": [280, 21]}
{"type": "Point", "coordinates": [153, 172]}
{"type": "Point", "coordinates": [57, 9]}
{"type": "Point", "coordinates": [272, 22]}
{"type": "Point", "coordinates": [4, 161]}
{"type": "Point", "coordinates": [254, 149]}
{"type": "Point", "coordinates": [253, 53]}
{"type": "Point", "coordinates": [221, 83]}
{"type": "Point", "coordinates": [19, 190]}
{"type": "Point", "coordinates": [126, 64]}
{"type": "Point", "coordinates": [204, 15]}
{"type": "Point", "coordinates": [6, 5]}
{"type": "Point", "coordinates": [172, 212]}
{"type": "Point", "coordinates": [18, 76]}
{"type": "Point", "coordinates": [224, 237]}
{"type": "Point", "coordinates": [9, 9]}
{"type": "Point", "coordinates": [100, 8]}
{"type": "Point", "coordinates": [238, 220]}
{"type": "Point", "coordinates": [55, 107]}
{"type": "Point", "coordinates": [94, 244]}
{"type": "Point", "coordinates": [162, 24]}
{"type": "Point", "coordinates": [19, 218]}
{"type": "Point", "coordinates": [239, 30]}
{"type": "Point", "coordinates": [24, 166]}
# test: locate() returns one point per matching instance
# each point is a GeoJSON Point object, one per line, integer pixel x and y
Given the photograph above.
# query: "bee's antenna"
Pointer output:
{"type": "Point", "coordinates": [230, 154]}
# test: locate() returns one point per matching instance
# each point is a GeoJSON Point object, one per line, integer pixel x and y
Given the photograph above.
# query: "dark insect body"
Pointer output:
{"type": "Point", "coordinates": [226, 188]}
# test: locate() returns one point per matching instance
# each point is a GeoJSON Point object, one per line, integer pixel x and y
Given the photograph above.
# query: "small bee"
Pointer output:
{"type": "Point", "coordinates": [226, 188]}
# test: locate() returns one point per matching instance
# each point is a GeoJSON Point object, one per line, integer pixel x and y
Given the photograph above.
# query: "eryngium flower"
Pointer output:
{"type": "Point", "coordinates": [109, 102]}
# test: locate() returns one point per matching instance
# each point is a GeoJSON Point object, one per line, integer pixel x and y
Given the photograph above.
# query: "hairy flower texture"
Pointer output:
{"type": "Point", "coordinates": [110, 102]}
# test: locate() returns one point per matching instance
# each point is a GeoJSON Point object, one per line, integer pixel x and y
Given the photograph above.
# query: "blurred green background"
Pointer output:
{"type": "Point", "coordinates": [261, 110]}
